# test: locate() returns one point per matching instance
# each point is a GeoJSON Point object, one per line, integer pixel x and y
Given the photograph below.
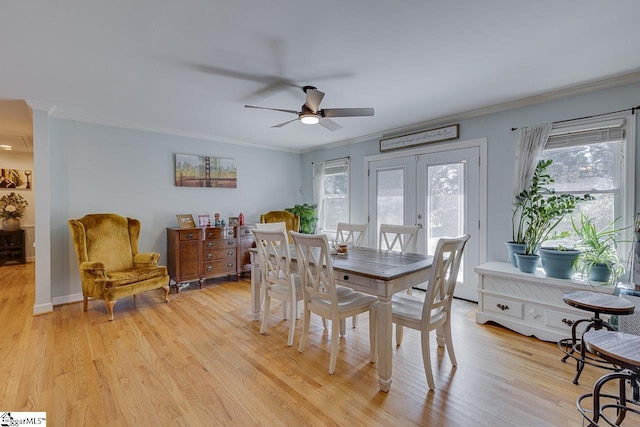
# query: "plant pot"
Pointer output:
{"type": "Point", "coordinates": [559, 263]}
{"type": "Point", "coordinates": [11, 224]}
{"type": "Point", "coordinates": [527, 263]}
{"type": "Point", "coordinates": [512, 249]}
{"type": "Point", "coordinates": [600, 273]}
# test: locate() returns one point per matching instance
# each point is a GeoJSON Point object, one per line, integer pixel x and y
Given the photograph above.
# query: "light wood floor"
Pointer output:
{"type": "Point", "coordinates": [200, 361]}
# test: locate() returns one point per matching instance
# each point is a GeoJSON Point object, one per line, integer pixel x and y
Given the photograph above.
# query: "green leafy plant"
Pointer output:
{"type": "Point", "coordinates": [539, 209]}
{"type": "Point", "coordinates": [308, 218]}
{"type": "Point", "coordinates": [598, 247]}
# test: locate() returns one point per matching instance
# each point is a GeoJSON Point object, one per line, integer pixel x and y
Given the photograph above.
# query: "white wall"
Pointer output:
{"type": "Point", "coordinates": [98, 168]}
{"type": "Point", "coordinates": [501, 153]}
{"type": "Point", "coordinates": [22, 161]}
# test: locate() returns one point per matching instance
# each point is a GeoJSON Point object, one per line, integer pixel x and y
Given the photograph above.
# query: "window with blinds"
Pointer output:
{"type": "Point", "coordinates": [589, 157]}
{"type": "Point", "coordinates": [336, 194]}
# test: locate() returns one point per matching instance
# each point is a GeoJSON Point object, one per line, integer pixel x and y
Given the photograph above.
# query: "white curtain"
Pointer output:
{"type": "Point", "coordinates": [318, 192]}
{"type": "Point", "coordinates": [530, 144]}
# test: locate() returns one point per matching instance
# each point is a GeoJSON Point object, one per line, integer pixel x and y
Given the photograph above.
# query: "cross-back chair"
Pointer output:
{"type": "Point", "coordinates": [402, 238]}
{"type": "Point", "coordinates": [434, 311]}
{"type": "Point", "coordinates": [278, 281]}
{"type": "Point", "coordinates": [351, 233]}
{"type": "Point", "coordinates": [321, 294]}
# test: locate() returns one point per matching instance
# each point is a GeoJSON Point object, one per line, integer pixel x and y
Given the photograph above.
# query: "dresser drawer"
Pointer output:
{"type": "Point", "coordinates": [218, 254]}
{"type": "Point", "coordinates": [219, 244]}
{"type": "Point", "coordinates": [226, 266]}
{"type": "Point", "coordinates": [193, 234]}
{"type": "Point", "coordinates": [504, 306]}
{"type": "Point", "coordinates": [219, 233]}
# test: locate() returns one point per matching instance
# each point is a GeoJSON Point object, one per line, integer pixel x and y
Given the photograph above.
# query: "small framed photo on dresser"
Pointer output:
{"type": "Point", "coordinates": [186, 221]}
{"type": "Point", "coordinates": [234, 221]}
{"type": "Point", "coordinates": [204, 220]}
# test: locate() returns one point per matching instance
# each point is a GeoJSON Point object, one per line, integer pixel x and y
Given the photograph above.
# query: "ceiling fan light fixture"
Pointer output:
{"type": "Point", "coordinates": [309, 119]}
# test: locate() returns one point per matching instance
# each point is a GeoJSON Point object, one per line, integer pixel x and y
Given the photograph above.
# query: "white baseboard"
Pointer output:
{"type": "Point", "coordinates": [66, 299]}
{"type": "Point", "coordinates": [42, 309]}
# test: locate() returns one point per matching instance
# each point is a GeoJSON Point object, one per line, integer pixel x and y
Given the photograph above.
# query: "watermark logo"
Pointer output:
{"type": "Point", "coordinates": [9, 419]}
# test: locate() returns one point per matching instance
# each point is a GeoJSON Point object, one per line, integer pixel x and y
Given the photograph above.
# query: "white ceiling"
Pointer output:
{"type": "Point", "coordinates": [189, 67]}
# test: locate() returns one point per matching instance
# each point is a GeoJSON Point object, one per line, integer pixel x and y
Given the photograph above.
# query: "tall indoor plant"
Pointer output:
{"type": "Point", "coordinates": [542, 209]}
{"type": "Point", "coordinates": [308, 218]}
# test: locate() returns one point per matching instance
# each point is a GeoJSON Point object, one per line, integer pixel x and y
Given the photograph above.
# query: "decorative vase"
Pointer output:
{"type": "Point", "coordinates": [559, 263]}
{"type": "Point", "coordinates": [527, 263]}
{"type": "Point", "coordinates": [512, 249]}
{"type": "Point", "coordinates": [11, 224]}
{"type": "Point", "coordinates": [600, 273]}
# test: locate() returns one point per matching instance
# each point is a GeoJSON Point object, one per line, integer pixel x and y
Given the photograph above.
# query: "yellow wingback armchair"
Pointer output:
{"type": "Point", "coordinates": [291, 220]}
{"type": "Point", "coordinates": [110, 265]}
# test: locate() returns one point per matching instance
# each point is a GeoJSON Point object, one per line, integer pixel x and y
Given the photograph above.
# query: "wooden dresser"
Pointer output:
{"type": "Point", "coordinates": [197, 254]}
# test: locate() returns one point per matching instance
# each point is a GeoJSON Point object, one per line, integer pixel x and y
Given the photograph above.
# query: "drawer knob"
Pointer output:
{"type": "Point", "coordinates": [502, 307]}
{"type": "Point", "coordinates": [229, 253]}
{"type": "Point", "coordinates": [345, 277]}
{"type": "Point", "coordinates": [230, 233]}
{"type": "Point", "coordinates": [568, 322]}
{"type": "Point", "coordinates": [189, 235]}
{"type": "Point", "coordinates": [230, 242]}
{"type": "Point", "coordinates": [247, 231]}
{"type": "Point", "coordinates": [209, 234]}
{"type": "Point", "coordinates": [209, 268]}
{"type": "Point", "coordinates": [209, 244]}
{"type": "Point", "coordinates": [230, 265]}
{"type": "Point", "coordinates": [209, 256]}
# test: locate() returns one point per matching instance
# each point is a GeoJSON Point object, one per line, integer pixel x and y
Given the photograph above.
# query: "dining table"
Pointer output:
{"type": "Point", "coordinates": [375, 272]}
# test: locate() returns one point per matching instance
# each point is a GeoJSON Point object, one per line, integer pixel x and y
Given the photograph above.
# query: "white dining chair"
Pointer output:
{"type": "Point", "coordinates": [402, 238]}
{"type": "Point", "coordinates": [434, 310]}
{"type": "Point", "coordinates": [321, 294]}
{"type": "Point", "coordinates": [271, 226]}
{"type": "Point", "coordinates": [355, 234]}
{"type": "Point", "coordinates": [277, 278]}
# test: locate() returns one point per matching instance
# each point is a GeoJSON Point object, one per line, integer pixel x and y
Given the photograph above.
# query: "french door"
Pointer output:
{"type": "Point", "coordinates": [438, 191]}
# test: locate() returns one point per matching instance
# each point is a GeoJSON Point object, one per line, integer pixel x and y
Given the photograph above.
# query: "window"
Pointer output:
{"type": "Point", "coordinates": [593, 156]}
{"type": "Point", "coordinates": [335, 195]}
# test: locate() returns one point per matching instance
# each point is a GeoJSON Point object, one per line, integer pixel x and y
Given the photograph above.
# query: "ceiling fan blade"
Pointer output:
{"type": "Point", "coordinates": [285, 123]}
{"type": "Point", "coordinates": [314, 98]}
{"type": "Point", "coordinates": [330, 124]}
{"type": "Point", "coordinates": [346, 112]}
{"type": "Point", "coordinates": [273, 109]}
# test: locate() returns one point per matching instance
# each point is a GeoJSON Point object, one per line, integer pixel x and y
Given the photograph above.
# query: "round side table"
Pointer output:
{"type": "Point", "coordinates": [598, 303]}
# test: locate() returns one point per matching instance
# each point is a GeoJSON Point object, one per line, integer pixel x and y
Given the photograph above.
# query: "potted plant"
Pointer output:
{"type": "Point", "coordinates": [542, 210]}
{"type": "Point", "coordinates": [559, 261]}
{"type": "Point", "coordinates": [308, 218]}
{"type": "Point", "coordinates": [599, 259]}
{"type": "Point", "coordinates": [12, 207]}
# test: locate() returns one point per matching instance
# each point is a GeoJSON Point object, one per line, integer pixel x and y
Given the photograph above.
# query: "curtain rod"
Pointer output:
{"type": "Point", "coordinates": [633, 111]}
{"type": "Point", "coordinates": [346, 157]}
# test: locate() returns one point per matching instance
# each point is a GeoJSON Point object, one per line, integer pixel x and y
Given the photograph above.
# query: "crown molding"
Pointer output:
{"type": "Point", "coordinates": [565, 92]}
{"type": "Point", "coordinates": [85, 118]}
{"type": "Point", "coordinates": [41, 106]}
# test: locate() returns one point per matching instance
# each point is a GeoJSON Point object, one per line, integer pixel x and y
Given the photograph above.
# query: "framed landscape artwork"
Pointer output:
{"type": "Point", "coordinates": [205, 171]}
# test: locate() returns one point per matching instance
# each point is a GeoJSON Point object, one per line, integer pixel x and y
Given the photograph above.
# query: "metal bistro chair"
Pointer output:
{"type": "Point", "coordinates": [278, 280]}
{"type": "Point", "coordinates": [321, 296]}
{"type": "Point", "coordinates": [434, 311]}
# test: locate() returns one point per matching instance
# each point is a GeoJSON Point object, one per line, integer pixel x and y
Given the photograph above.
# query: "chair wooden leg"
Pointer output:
{"type": "Point", "coordinates": [110, 305]}
{"type": "Point", "coordinates": [399, 334]}
{"type": "Point", "coordinates": [373, 335]}
{"type": "Point", "coordinates": [265, 314]}
{"type": "Point", "coordinates": [335, 340]}
{"type": "Point", "coordinates": [85, 304]}
{"type": "Point", "coordinates": [324, 323]}
{"type": "Point", "coordinates": [449, 343]}
{"type": "Point", "coordinates": [426, 359]}
{"type": "Point", "coordinates": [305, 329]}
{"type": "Point", "coordinates": [354, 321]}
{"type": "Point", "coordinates": [292, 325]}
{"type": "Point", "coordinates": [343, 327]}
{"type": "Point", "coordinates": [167, 289]}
